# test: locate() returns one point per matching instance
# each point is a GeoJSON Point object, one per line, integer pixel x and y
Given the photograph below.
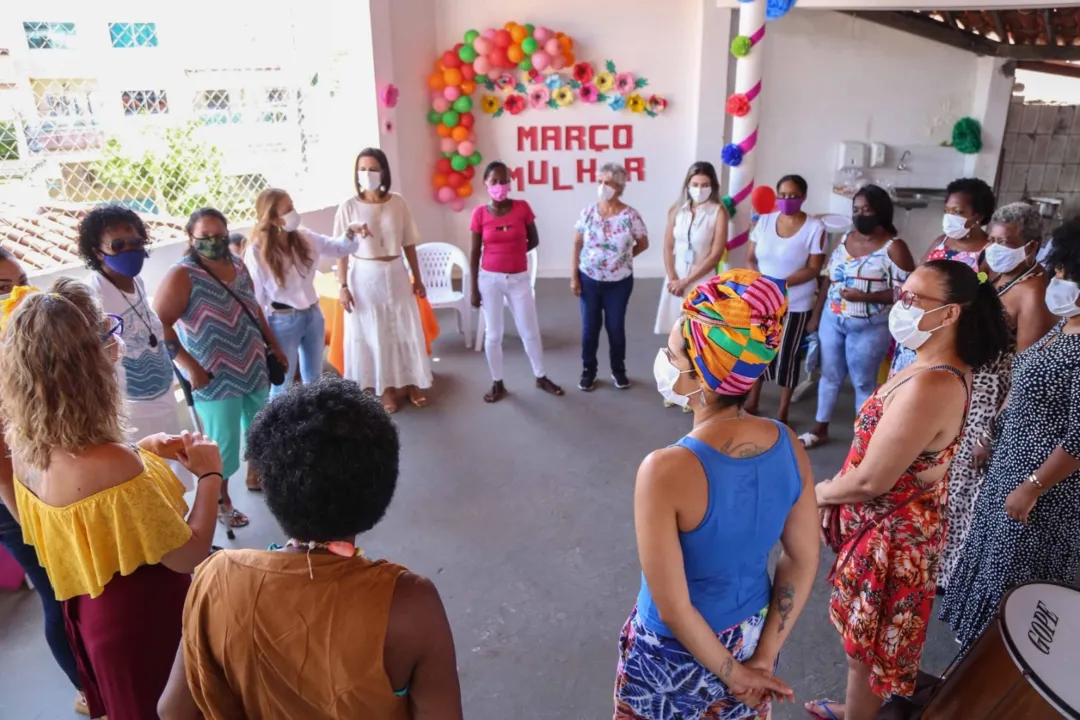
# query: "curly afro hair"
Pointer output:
{"type": "Point", "coordinates": [96, 222]}
{"type": "Point", "coordinates": [1064, 255]}
{"type": "Point", "coordinates": [327, 455]}
{"type": "Point", "coordinates": [979, 194]}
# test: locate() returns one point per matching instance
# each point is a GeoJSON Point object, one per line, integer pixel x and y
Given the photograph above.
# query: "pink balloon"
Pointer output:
{"type": "Point", "coordinates": [452, 93]}
{"type": "Point", "coordinates": [441, 105]}
{"type": "Point", "coordinates": [447, 145]}
{"type": "Point", "coordinates": [435, 95]}
{"type": "Point", "coordinates": [543, 34]}
{"type": "Point", "coordinates": [482, 45]}
{"type": "Point", "coordinates": [558, 62]}
{"type": "Point", "coordinates": [446, 194]}
{"type": "Point", "coordinates": [466, 148]}
{"type": "Point", "coordinates": [541, 61]}
{"type": "Point", "coordinates": [457, 205]}
{"type": "Point", "coordinates": [472, 138]}
{"type": "Point", "coordinates": [490, 33]}
{"type": "Point", "coordinates": [482, 65]}
{"type": "Point", "coordinates": [552, 48]}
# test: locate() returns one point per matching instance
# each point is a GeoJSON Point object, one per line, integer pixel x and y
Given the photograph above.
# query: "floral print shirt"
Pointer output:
{"type": "Point", "coordinates": [607, 249]}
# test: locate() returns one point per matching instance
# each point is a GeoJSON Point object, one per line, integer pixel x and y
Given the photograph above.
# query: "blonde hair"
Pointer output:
{"type": "Point", "coordinates": [58, 384]}
{"type": "Point", "coordinates": [274, 244]}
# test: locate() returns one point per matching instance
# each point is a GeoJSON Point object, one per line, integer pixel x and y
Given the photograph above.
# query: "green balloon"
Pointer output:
{"type": "Point", "coordinates": [458, 162]}
{"type": "Point", "coordinates": [447, 155]}
{"type": "Point", "coordinates": [525, 65]}
{"type": "Point", "coordinates": [450, 119]}
{"type": "Point", "coordinates": [476, 158]}
{"type": "Point", "coordinates": [434, 117]}
{"type": "Point", "coordinates": [470, 36]}
{"type": "Point", "coordinates": [530, 29]}
{"type": "Point", "coordinates": [463, 104]}
{"type": "Point", "coordinates": [529, 46]}
{"type": "Point", "coordinates": [467, 54]}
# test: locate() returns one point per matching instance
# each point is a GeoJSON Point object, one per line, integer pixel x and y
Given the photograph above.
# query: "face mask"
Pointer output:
{"type": "Point", "coordinates": [116, 348]}
{"type": "Point", "coordinates": [5, 296]}
{"type": "Point", "coordinates": [700, 194]}
{"type": "Point", "coordinates": [605, 192]}
{"type": "Point", "coordinates": [1061, 298]}
{"type": "Point", "coordinates": [499, 193]}
{"type": "Point", "coordinates": [212, 248]}
{"type": "Point", "coordinates": [865, 224]}
{"type": "Point", "coordinates": [1002, 259]}
{"type": "Point", "coordinates": [666, 376]}
{"type": "Point", "coordinates": [369, 179]}
{"type": "Point", "coordinates": [292, 221]}
{"type": "Point", "coordinates": [904, 325]}
{"type": "Point", "coordinates": [128, 263]}
{"type": "Point", "coordinates": [954, 226]}
{"type": "Point", "coordinates": [790, 206]}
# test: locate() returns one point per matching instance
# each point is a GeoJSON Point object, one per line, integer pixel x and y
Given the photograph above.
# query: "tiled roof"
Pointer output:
{"type": "Point", "coordinates": [48, 238]}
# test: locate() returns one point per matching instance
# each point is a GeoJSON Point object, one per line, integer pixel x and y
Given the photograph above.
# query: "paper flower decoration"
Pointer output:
{"type": "Point", "coordinates": [563, 96]}
{"type": "Point", "coordinates": [729, 205]}
{"type": "Point", "coordinates": [554, 81]}
{"type": "Point", "coordinates": [389, 95]}
{"type": "Point", "coordinates": [530, 76]}
{"type": "Point", "coordinates": [18, 294]}
{"type": "Point", "coordinates": [589, 93]}
{"type": "Point", "coordinates": [514, 104]}
{"type": "Point", "coordinates": [967, 136]}
{"type": "Point", "coordinates": [657, 104]}
{"type": "Point", "coordinates": [490, 104]}
{"type": "Point", "coordinates": [775, 9]}
{"type": "Point", "coordinates": [604, 82]}
{"type": "Point", "coordinates": [636, 103]}
{"type": "Point", "coordinates": [738, 105]}
{"type": "Point", "coordinates": [625, 83]}
{"type": "Point", "coordinates": [539, 96]}
{"type": "Point", "coordinates": [505, 82]}
{"type": "Point", "coordinates": [618, 102]}
{"type": "Point", "coordinates": [583, 72]}
{"type": "Point", "coordinates": [740, 46]}
{"type": "Point", "coordinates": [731, 155]}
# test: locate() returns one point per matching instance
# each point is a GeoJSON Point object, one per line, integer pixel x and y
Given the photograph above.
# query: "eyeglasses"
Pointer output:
{"type": "Point", "coordinates": [121, 244]}
{"type": "Point", "coordinates": [907, 298]}
{"type": "Point", "coordinates": [117, 328]}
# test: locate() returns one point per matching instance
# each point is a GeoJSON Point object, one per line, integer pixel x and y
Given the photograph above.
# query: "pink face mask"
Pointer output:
{"type": "Point", "coordinates": [499, 193]}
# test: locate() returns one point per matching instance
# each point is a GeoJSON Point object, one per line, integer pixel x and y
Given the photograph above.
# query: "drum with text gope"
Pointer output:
{"type": "Point", "coordinates": [1025, 665]}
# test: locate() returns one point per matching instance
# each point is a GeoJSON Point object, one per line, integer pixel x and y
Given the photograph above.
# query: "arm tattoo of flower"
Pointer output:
{"type": "Point", "coordinates": [785, 602]}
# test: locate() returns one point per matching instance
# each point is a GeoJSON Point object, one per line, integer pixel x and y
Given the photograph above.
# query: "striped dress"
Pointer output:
{"type": "Point", "coordinates": [217, 332]}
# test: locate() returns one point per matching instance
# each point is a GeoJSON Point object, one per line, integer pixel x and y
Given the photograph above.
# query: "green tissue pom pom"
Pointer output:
{"type": "Point", "coordinates": [740, 46]}
{"type": "Point", "coordinates": [729, 205]}
{"type": "Point", "coordinates": [967, 136]}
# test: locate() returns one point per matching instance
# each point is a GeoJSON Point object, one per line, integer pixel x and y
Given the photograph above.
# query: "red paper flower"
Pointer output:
{"type": "Point", "coordinates": [514, 104]}
{"type": "Point", "coordinates": [583, 72]}
{"type": "Point", "coordinates": [738, 105]}
{"type": "Point", "coordinates": [658, 103]}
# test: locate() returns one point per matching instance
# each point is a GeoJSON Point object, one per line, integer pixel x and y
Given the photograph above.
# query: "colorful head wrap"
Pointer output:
{"type": "Point", "coordinates": [7, 306]}
{"type": "Point", "coordinates": [733, 326]}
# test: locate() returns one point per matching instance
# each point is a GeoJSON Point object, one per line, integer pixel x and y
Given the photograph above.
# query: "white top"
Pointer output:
{"type": "Point", "coordinates": [779, 257]}
{"type": "Point", "coordinates": [391, 224]}
{"type": "Point", "coordinates": [298, 289]}
{"type": "Point", "coordinates": [694, 231]}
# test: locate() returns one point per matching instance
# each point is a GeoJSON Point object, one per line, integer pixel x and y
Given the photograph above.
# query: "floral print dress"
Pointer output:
{"type": "Point", "coordinates": [885, 576]}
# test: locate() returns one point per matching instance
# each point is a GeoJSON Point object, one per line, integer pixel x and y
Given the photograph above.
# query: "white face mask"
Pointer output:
{"type": "Point", "coordinates": [605, 192]}
{"type": "Point", "coordinates": [1002, 259]}
{"type": "Point", "coordinates": [291, 220]}
{"type": "Point", "coordinates": [5, 296]}
{"type": "Point", "coordinates": [700, 194]}
{"type": "Point", "coordinates": [904, 325]}
{"type": "Point", "coordinates": [954, 226]}
{"type": "Point", "coordinates": [116, 348]}
{"type": "Point", "coordinates": [666, 376]}
{"type": "Point", "coordinates": [369, 179]}
{"type": "Point", "coordinates": [1061, 297]}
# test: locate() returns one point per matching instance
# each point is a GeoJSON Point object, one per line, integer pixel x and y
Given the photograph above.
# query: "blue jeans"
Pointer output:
{"type": "Point", "coordinates": [603, 304]}
{"type": "Point", "coordinates": [850, 345]}
{"type": "Point", "coordinates": [303, 333]}
{"type": "Point", "coordinates": [55, 632]}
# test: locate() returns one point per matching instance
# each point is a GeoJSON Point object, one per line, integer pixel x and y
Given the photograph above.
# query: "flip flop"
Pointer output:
{"type": "Point", "coordinates": [809, 440]}
{"type": "Point", "coordinates": [824, 705]}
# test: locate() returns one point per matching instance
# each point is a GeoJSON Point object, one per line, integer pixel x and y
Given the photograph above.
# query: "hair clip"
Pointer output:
{"type": "Point", "coordinates": [983, 277]}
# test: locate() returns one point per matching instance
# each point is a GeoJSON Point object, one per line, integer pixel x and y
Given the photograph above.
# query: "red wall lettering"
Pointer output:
{"type": "Point", "coordinates": [586, 169]}
{"type": "Point", "coordinates": [635, 168]}
{"type": "Point", "coordinates": [556, 180]}
{"type": "Point", "coordinates": [623, 137]}
{"type": "Point", "coordinates": [594, 143]}
{"type": "Point", "coordinates": [529, 134]}
{"type": "Point", "coordinates": [575, 136]}
{"type": "Point", "coordinates": [541, 177]}
{"type": "Point", "coordinates": [583, 139]}
{"type": "Point", "coordinates": [551, 138]}
{"type": "Point", "coordinates": [517, 175]}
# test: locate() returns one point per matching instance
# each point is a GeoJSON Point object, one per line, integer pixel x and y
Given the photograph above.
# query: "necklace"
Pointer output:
{"type": "Point", "coordinates": [1018, 279]}
{"type": "Point", "coordinates": [335, 547]}
{"type": "Point", "coordinates": [737, 416]}
{"type": "Point", "coordinates": [153, 341]}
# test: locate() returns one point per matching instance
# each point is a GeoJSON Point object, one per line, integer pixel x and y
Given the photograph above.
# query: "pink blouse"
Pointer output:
{"type": "Point", "coordinates": [505, 237]}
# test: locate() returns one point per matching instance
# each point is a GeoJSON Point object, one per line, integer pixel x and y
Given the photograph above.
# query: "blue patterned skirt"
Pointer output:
{"type": "Point", "coordinates": [658, 678]}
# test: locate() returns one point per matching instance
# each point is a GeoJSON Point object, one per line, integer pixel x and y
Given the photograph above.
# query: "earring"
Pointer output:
{"type": "Point", "coordinates": [701, 399]}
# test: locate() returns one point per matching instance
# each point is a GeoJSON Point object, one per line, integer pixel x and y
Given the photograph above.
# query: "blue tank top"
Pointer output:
{"type": "Point", "coordinates": [726, 556]}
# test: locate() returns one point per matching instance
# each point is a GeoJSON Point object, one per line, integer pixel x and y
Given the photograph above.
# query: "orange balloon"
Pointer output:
{"type": "Point", "coordinates": [436, 81]}
{"type": "Point", "coordinates": [452, 76]}
{"type": "Point", "coordinates": [465, 190]}
{"type": "Point", "coordinates": [468, 87]}
{"type": "Point", "coordinates": [518, 33]}
{"type": "Point", "coordinates": [460, 134]}
{"type": "Point", "coordinates": [515, 54]}
{"type": "Point", "coordinates": [566, 43]}
{"type": "Point", "coordinates": [510, 25]}
{"type": "Point", "coordinates": [439, 181]}
{"type": "Point", "coordinates": [439, 67]}
{"type": "Point", "coordinates": [442, 131]}
{"type": "Point", "coordinates": [569, 57]}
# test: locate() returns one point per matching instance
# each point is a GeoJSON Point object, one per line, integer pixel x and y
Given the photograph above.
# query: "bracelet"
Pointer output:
{"type": "Point", "coordinates": [1034, 481]}
{"type": "Point", "coordinates": [981, 443]}
{"type": "Point", "coordinates": [206, 475]}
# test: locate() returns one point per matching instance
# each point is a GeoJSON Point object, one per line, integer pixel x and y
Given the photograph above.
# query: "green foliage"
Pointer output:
{"type": "Point", "coordinates": [9, 141]}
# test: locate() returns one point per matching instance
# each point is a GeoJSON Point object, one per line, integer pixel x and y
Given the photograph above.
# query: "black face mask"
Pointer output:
{"type": "Point", "coordinates": [865, 224]}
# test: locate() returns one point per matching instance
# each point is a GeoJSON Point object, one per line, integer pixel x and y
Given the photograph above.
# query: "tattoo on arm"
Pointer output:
{"type": "Point", "coordinates": [785, 602]}
{"type": "Point", "coordinates": [742, 449]}
{"type": "Point", "coordinates": [726, 668]}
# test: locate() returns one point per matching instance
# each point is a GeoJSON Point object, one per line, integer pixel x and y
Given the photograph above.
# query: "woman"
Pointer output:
{"type": "Point", "coordinates": [695, 241]}
{"type": "Point", "coordinates": [1027, 526]}
{"type": "Point", "coordinates": [282, 260]}
{"type": "Point", "coordinates": [969, 203]}
{"type": "Point", "coordinates": [709, 622]}
{"type": "Point", "coordinates": [356, 637]}
{"type": "Point", "coordinates": [790, 245]}
{"type": "Point", "coordinates": [384, 340]}
{"type": "Point", "coordinates": [852, 316]}
{"type": "Point", "coordinates": [222, 343]}
{"type": "Point", "coordinates": [1020, 281]}
{"type": "Point", "coordinates": [106, 518]}
{"type": "Point", "coordinates": [607, 238]}
{"type": "Point", "coordinates": [884, 512]}
{"type": "Point", "coordinates": [503, 233]}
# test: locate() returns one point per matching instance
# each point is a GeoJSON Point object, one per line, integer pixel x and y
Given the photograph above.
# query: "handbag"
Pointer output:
{"type": "Point", "coordinates": [274, 368]}
{"type": "Point", "coordinates": [833, 536]}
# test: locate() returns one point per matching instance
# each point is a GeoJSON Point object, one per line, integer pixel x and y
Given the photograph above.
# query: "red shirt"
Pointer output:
{"type": "Point", "coordinates": [505, 238]}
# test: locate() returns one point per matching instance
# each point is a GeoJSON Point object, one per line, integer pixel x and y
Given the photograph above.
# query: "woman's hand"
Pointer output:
{"type": "Point", "coordinates": [163, 445]}
{"type": "Point", "coordinates": [346, 299]}
{"type": "Point", "coordinates": [1021, 501]}
{"type": "Point", "coordinates": [197, 376]}
{"type": "Point", "coordinates": [853, 295]}
{"type": "Point", "coordinates": [200, 454]}
{"type": "Point", "coordinates": [755, 697]}
{"type": "Point", "coordinates": [980, 453]}
{"type": "Point", "coordinates": [826, 514]}
{"type": "Point", "coordinates": [676, 287]}
{"type": "Point", "coordinates": [813, 323]}
{"type": "Point", "coordinates": [575, 286]}
{"type": "Point", "coordinates": [418, 288]}
{"type": "Point", "coordinates": [476, 301]}
{"type": "Point", "coordinates": [360, 229]}
{"type": "Point", "coordinates": [748, 681]}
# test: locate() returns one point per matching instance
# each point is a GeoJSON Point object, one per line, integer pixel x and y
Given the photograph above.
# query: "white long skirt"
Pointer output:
{"type": "Point", "coordinates": [670, 308]}
{"type": "Point", "coordinates": [384, 338]}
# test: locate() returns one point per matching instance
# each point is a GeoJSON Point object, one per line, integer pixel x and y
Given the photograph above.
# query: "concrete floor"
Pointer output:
{"type": "Point", "coordinates": [522, 515]}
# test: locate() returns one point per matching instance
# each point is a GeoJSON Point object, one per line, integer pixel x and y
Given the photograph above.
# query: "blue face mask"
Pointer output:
{"type": "Point", "coordinates": [128, 263]}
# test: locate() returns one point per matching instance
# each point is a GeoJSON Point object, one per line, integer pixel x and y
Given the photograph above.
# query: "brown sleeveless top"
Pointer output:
{"type": "Point", "coordinates": [265, 640]}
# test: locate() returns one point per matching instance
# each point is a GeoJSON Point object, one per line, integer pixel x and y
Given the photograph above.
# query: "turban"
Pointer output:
{"type": "Point", "coordinates": [733, 327]}
{"type": "Point", "coordinates": [7, 307]}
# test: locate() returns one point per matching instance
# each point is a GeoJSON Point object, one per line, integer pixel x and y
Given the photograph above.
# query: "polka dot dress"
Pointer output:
{"type": "Point", "coordinates": [999, 553]}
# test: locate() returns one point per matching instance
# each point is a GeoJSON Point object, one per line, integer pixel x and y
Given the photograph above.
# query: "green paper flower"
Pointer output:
{"type": "Point", "coordinates": [729, 205]}
{"type": "Point", "coordinates": [740, 46]}
{"type": "Point", "coordinates": [967, 136]}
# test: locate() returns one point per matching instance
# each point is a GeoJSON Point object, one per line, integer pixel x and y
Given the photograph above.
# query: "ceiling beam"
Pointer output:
{"type": "Point", "coordinates": [999, 24]}
{"type": "Point", "coordinates": [1049, 26]}
{"type": "Point", "coordinates": [1050, 68]}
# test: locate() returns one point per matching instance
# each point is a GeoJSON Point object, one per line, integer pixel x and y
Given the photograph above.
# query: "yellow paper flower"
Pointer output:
{"type": "Point", "coordinates": [635, 103]}
{"type": "Point", "coordinates": [490, 104]}
{"type": "Point", "coordinates": [564, 96]}
{"type": "Point", "coordinates": [604, 81]}
{"type": "Point", "coordinates": [7, 307]}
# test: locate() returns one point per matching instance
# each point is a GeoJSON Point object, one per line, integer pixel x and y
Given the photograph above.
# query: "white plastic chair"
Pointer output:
{"type": "Point", "coordinates": [480, 325]}
{"type": "Point", "coordinates": [437, 262]}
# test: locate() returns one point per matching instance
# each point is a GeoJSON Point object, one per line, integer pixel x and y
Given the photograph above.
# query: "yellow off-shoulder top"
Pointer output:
{"type": "Point", "coordinates": [84, 544]}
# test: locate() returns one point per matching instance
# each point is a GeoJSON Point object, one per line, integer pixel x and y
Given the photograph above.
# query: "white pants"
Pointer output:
{"type": "Point", "coordinates": [516, 290]}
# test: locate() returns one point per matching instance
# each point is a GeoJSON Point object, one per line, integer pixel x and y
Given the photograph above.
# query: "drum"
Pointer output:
{"type": "Point", "coordinates": [1025, 665]}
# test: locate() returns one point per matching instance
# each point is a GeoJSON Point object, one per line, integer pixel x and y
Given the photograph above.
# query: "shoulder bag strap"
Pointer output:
{"type": "Point", "coordinates": [243, 305]}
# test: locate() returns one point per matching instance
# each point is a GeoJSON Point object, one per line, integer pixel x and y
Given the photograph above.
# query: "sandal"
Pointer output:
{"type": "Point", "coordinates": [232, 518]}
{"type": "Point", "coordinates": [417, 398]}
{"type": "Point", "coordinates": [253, 483]}
{"type": "Point", "coordinates": [80, 704]}
{"type": "Point", "coordinates": [498, 392]}
{"type": "Point", "coordinates": [809, 440]}
{"type": "Point", "coordinates": [547, 386]}
{"type": "Point", "coordinates": [389, 403]}
{"type": "Point", "coordinates": [821, 705]}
